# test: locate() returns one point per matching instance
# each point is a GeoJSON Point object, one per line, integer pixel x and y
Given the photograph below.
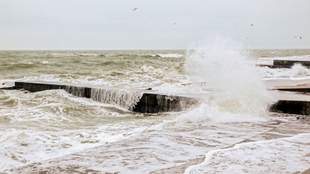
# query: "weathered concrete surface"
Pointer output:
{"type": "Point", "coordinates": [291, 107]}
{"type": "Point", "coordinates": [291, 103]}
{"type": "Point", "coordinates": [149, 102]}
{"type": "Point", "coordinates": [296, 89]}
{"type": "Point", "coordinates": [291, 96]}
{"type": "Point", "coordinates": [36, 87]}
{"type": "Point", "coordinates": [298, 85]}
{"type": "Point", "coordinates": [283, 62]}
{"type": "Point", "coordinates": [153, 103]}
{"type": "Point", "coordinates": [289, 63]}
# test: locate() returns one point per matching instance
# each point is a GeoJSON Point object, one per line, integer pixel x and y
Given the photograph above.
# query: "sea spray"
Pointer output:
{"type": "Point", "coordinates": [297, 71]}
{"type": "Point", "coordinates": [123, 98]}
{"type": "Point", "coordinates": [76, 91]}
{"type": "Point", "coordinates": [118, 97]}
{"type": "Point", "coordinates": [236, 83]}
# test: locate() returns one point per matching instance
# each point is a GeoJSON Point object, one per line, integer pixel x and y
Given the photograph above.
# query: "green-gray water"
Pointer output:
{"type": "Point", "coordinates": [56, 132]}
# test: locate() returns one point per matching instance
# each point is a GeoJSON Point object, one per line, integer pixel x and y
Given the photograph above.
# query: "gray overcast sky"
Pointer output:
{"type": "Point", "coordinates": [157, 24]}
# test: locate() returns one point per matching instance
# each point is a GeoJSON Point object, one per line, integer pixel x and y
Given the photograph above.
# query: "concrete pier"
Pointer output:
{"type": "Point", "coordinates": [297, 85]}
{"type": "Point", "coordinates": [149, 102]}
{"type": "Point", "coordinates": [291, 107]}
{"type": "Point", "coordinates": [38, 86]}
{"type": "Point", "coordinates": [289, 63]}
{"type": "Point", "coordinates": [283, 62]}
{"type": "Point", "coordinates": [291, 103]}
{"type": "Point", "coordinates": [152, 102]}
{"type": "Point", "coordinates": [292, 96]}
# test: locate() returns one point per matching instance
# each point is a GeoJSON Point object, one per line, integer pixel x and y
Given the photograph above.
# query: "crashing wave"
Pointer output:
{"type": "Point", "coordinates": [121, 98]}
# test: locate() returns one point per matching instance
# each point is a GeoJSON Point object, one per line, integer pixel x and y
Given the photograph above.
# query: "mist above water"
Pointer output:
{"type": "Point", "coordinates": [236, 84]}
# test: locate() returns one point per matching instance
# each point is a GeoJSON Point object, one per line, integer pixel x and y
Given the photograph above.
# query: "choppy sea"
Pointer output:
{"type": "Point", "coordinates": [55, 132]}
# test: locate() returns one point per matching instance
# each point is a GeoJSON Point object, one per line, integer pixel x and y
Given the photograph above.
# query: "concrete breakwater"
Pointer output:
{"type": "Point", "coordinates": [283, 62]}
{"type": "Point", "coordinates": [289, 63]}
{"type": "Point", "coordinates": [150, 102]}
{"type": "Point", "coordinates": [297, 107]}
{"type": "Point", "coordinates": [138, 101]}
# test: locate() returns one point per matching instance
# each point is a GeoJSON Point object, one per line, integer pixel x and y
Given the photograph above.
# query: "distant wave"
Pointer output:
{"type": "Point", "coordinates": [170, 55]}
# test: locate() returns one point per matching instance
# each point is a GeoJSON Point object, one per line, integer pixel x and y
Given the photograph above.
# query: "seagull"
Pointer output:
{"type": "Point", "coordinates": [252, 25]}
{"type": "Point", "coordinates": [134, 9]}
{"type": "Point", "coordinates": [298, 37]}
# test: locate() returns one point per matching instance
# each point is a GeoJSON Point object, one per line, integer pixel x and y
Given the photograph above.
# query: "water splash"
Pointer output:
{"type": "Point", "coordinates": [76, 91]}
{"type": "Point", "coordinates": [237, 85]}
{"type": "Point", "coordinates": [121, 98]}
{"type": "Point", "coordinates": [296, 71]}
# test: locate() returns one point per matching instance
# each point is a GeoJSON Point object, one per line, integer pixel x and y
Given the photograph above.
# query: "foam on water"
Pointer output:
{"type": "Point", "coordinates": [50, 124]}
{"type": "Point", "coordinates": [170, 55]}
{"type": "Point", "coordinates": [297, 71]}
{"type": "Point", "coordinates": [206, 113]}
{"type": "Point", "coordinates": [70, 131]}
{"type": "Point", "coordinates": [36, 146]}
{"type": "Point", "coordinates": [285, 155]}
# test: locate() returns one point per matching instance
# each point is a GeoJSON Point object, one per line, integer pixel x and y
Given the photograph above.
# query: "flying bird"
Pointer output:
{"type": "Point", "coordinates": [134, 9]}
{"type": "Point", "coordinates": [298, 37]}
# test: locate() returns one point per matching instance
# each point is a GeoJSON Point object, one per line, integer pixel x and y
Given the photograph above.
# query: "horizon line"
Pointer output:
{"type": "Point", "coordinates": [141, 49]}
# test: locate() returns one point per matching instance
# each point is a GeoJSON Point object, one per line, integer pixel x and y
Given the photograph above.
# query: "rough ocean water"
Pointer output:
{"type": "Point", "coordinates": [55, 132]}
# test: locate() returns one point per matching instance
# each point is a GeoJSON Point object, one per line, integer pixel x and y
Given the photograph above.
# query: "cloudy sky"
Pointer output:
{"type": "Point", "coordinates": [152, 24]}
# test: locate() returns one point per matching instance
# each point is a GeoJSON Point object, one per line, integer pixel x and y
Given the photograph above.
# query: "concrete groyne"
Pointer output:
{"type": "Point", "coordinates": [289, 63]}
{"type": "Point", "coordinates": [141, 101]}
{"type": "Point", "coordinates": [284, 62]}
{"type": "Point", "coordinates": [298, 107]}
{"type": "Point", "coordinates": [148, 101]}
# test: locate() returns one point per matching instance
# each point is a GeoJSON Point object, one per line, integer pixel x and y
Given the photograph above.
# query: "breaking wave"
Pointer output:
{"type": "Point", "coordinates": [116, 97]}
{"type": "Point", "coordinates": [236, 85]}
{"type": "Point", "coordinates": [296, 71]}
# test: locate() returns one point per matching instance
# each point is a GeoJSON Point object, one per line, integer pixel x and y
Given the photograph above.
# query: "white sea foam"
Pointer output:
{"type": "Point", "coordinates": [285, 155]}
{"type": "Point", "coordinates": [51, 124]}
{"type": "Point", "coordinates": [298, 58]}
{"type": "Point", "coordinates": [53, 144]}
{"type": "Point", "coordinates": [44, 62]}
{"type": "Point", "coordinates": [206, 112]}
{"type": "Point", "coordinates": [44, 125]}
{"type": "Point", "coordinates": [296, 71]}
{"type": "Point", "coordinates": [170, 55]}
